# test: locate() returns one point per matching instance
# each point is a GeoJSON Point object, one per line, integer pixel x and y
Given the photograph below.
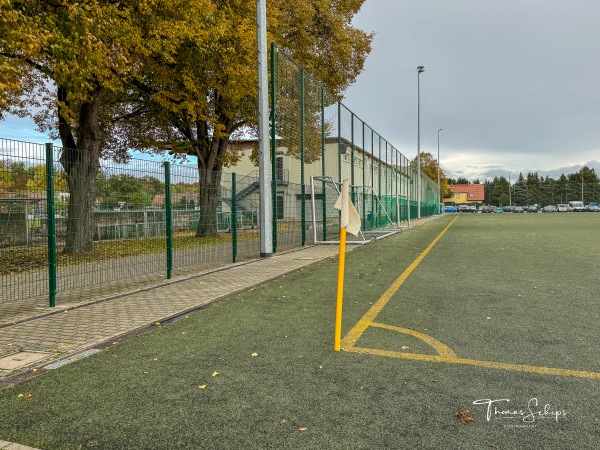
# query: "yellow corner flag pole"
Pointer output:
{"type": "Point", "coordinates": [340, 292]}
{"type": "Point", "coordinates": [349, 221]}
{"type": "Point", "coordinates": [341, 261]}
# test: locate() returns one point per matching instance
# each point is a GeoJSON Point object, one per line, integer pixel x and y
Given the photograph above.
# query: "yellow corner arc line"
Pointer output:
{"type": "Point", "coordinates": [443, 350]}
{"type": "Point", "coordinates": [474, 362]}
{"type": "Point", "coordinates": [358, 329]}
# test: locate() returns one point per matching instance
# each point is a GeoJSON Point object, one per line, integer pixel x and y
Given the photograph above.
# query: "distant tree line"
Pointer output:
{"type": "Point", "coordinates": [126, 191]}
{"type": "Point", "coordinates": [534, 189]}
{"type": "Point", "coordinates": [121, 190]}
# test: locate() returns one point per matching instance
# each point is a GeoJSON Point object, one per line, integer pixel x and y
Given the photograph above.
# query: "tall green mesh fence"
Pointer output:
{"type": "Point", "coordinates": [317, 136]}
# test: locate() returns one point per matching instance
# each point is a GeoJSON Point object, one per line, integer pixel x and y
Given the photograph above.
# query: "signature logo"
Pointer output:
{"type": "Point", "coordinates": [534, 411]}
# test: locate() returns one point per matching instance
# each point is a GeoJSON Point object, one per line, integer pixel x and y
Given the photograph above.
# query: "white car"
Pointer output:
{"type": "Point", "coordinates": [562, 207]}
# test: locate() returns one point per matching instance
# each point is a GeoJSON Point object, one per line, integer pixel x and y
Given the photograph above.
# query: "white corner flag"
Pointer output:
{"type": "Point", "coordinates": [349, 215]}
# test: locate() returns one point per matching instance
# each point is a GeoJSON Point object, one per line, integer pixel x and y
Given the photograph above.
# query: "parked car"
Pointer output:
{"type": "Point", "coordinates": [576, 206]}
{"type": "Point", "coordinates": [467, 208]}
{"type": "Point", "coordinates": [507, 209]}
{"type": "Point", "coordinates": [562, 207]}
{"type": "Point", "coordinates": [549, 209]}
{"type": "Point", "coordinates": [486, 209]}
{"type": "Point", "coordinates": [450, 209]}
{"type": "Point", "coordinates": [498, 210]}
{"type": "Point", "coordinates": [519, 209]}
{"type": "Point", "coordinates": [532, 208]}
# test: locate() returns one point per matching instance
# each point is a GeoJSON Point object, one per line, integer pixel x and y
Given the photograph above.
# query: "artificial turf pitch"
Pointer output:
{"type": "Point", "coordinates": [518, 290]}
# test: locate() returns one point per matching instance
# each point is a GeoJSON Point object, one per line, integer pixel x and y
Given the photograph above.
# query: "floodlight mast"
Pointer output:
{"type": "Point", "coordinates": [420, 69]}
{"type": "Point", "coordinates": [265, 176]}
{"type": "Point", "coordinates": [439, 186]}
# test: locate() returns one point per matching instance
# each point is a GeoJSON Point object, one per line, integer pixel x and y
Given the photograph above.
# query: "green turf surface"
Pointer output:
{"type": "Point", "coordinates": [533, 275]}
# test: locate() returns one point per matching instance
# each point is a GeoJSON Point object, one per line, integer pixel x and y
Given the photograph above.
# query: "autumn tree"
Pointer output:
{"type": "Point", "coordinates": [212, 95]}
{"type": "Point", "coordinates": [429, 167]}
{"type": "Point", "coordinates": [71, 66]}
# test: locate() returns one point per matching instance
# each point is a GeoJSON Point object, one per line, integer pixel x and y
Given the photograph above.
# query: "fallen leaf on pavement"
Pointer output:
{"type": "Point", "coordinates": [464, 416]}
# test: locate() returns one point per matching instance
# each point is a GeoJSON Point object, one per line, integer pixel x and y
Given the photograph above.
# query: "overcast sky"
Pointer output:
{"type": "Point", "coordinates": [513, 83]}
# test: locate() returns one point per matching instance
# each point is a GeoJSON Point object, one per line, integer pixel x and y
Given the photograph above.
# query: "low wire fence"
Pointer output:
{"type": "Point", "coordinates": [141, 217]}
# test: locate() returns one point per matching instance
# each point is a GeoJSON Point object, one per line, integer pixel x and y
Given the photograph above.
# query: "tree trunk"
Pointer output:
{"type": "Point", "coordinates": [208, 201]}
{"type": "Point", "coordinates": [210, 155]}
{"type": "Point", "coordinates": [81, 165]}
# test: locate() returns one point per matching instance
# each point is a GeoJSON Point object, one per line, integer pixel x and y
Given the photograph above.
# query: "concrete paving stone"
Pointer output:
{"type": "Point", "coordinates": [13, 446]}
{"type": "Point", "coordinates": [21, 359]}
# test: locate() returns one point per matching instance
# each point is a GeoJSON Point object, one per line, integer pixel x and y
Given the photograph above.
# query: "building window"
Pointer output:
{"type": "Point", "coordinates": [457, 195]}
{"type": "Point", "coordinates": [471, 195]}
{"type": "Point", "coordinates": [279, 168]}
{"type": "Point", "coordinates": [346, 157]}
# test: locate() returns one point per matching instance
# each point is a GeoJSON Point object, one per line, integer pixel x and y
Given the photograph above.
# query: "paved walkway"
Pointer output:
{"type": "Point", "coordinates": [32, 339]}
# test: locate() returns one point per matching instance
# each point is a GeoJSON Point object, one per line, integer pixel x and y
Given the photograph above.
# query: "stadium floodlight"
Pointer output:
{"type": "Point", "coordinates": [438, 164]}
{"type": "Point", "coordinates": [420, 69]}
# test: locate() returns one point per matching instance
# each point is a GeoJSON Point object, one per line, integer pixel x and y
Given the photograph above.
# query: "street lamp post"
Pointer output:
{"type": "Point", "coordinates": [438, 164]}
{"type": "Point", "coordinates": [509, 198]}
{"type": "Point", "coordinates": [420, 69]}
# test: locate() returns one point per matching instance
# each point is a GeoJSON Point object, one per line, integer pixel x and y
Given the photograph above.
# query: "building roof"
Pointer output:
{"type": "Point", "coordinates": [474, 192]}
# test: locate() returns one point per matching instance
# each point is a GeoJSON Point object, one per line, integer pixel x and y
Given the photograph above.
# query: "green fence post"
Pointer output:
{"type": "Point", "coordinates": [378, 219]}
{"type": "Point", "coordinates": [352, 159]}
{"type": "Point", "coordinates": [339, 149]}
{"type": "Point", "coordinates": [169, 219]}
{"type": "Point", "coordinates": [371, 219]}
{"type": "Point", "coordinates": [302, 186]}
{"type": "Point", "coordinates": [51, 225]}
{"type": "Point", "coordinates": [233, 217]}
{"type": "Point", "coordinates": [364, 180]}
{"type": "Point", "coordinates": [273, 147]}
{"type": "Point", "coordinates": [324, 200]}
